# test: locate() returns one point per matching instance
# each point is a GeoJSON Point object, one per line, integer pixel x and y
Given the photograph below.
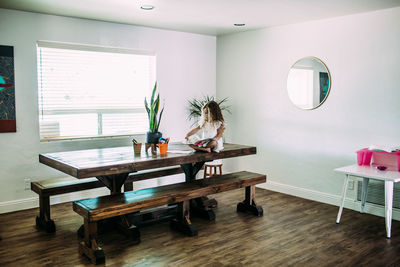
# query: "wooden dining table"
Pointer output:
{"type": "Point", "coordinates": [113, 165]}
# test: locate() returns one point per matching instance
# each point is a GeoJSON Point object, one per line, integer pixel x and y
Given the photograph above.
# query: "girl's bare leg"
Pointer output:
{"type": "Point", "coordinates": [212, 145]}
{"type": "Point", "coordinates": [204, 149]}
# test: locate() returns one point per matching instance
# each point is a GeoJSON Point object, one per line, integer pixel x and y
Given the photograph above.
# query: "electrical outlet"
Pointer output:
{"type": "Point", "coordinates": [27, 182]}
{"type": "Point", "coordinates": [350, 186]}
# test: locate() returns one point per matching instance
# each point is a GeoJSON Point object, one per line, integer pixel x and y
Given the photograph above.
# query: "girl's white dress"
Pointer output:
{"type": "Point", "coordinates": [209, 130]}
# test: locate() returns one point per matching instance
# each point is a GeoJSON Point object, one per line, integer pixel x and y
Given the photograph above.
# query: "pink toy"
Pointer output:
{"type": "Point", "coordinates": [391, 160]}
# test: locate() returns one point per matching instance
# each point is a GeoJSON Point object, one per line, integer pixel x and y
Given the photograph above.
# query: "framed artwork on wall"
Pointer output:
{"type": "Point", "coordinates": [7, 90]}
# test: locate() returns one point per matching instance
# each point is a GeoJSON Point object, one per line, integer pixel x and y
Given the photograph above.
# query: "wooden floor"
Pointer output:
{"type": "Point", "coordinates": [293, 231]}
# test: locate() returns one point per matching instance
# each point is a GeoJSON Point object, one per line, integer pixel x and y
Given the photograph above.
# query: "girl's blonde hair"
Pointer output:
{"type": "Point", "coordinates": [214, 113]}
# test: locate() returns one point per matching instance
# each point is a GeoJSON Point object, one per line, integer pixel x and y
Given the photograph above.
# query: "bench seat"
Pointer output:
{"type": "Point", "coordinates": [95, 209]}
{"type": "Point", "coordinates": [58, 186]}
{"type": "Point", "coordinates": [64, 185]}
{"type": "Point", "coordinates": [104, 207]}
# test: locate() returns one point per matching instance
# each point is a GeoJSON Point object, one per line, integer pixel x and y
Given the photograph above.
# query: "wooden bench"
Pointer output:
{"type": "Point", "coordinates": [95, 209]}
{"type": "Point", "coordinates": [47, 188]}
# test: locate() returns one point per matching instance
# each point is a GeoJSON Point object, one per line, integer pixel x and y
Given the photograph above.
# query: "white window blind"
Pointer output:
{"type": "Point", "coordinates": [91, 91]}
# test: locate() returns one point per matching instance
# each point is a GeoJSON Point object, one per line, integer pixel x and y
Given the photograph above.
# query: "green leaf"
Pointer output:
{"type": "Point", "coordinates": [154, 122]}
{"type": "Point", "coordinates": [147, 107]}
{"type": "Point", "coordinates": [159, 118]}
{"type": "Point", "coordinates": [153, 94]}
{"type": "Point", "coordinates": [195, 106]}
{"type": "Point", "coordinates": [151, 120]}
{"type": "Point", "coordinates": [156, 104]}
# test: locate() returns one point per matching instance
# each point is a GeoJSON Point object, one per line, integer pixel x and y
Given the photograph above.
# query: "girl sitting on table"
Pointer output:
{"type": "Point", "coordinates": [209, 131]}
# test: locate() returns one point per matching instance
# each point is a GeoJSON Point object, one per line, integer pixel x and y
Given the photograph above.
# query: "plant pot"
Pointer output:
{"type": "Point", "coordinates": [152, 138]}
{"type": "Point", "coordinates": [163, 148]}
{"type": "Point", "coordinates": [137, 148]}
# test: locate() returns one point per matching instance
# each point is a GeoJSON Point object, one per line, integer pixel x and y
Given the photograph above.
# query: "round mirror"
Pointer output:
{"type": "Point", "coordinates": [308, 83]}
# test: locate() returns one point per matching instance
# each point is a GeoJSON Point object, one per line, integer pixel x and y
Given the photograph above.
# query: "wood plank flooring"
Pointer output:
{"type": "Point", "coordinates": [292, 232]}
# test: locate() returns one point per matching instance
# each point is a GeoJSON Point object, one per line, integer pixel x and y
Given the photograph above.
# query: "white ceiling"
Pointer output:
{"type": "Point", "coordinates": [214, 17]}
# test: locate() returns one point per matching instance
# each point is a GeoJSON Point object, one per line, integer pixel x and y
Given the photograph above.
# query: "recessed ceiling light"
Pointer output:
{"type": "Point", "coordinates": [147, 7]}
{"type": "Point", "coordinates": [239, 24]}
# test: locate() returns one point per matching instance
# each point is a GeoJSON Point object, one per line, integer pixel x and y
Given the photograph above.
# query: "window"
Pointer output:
{"type": "Point", "coordinates": [92, 91]}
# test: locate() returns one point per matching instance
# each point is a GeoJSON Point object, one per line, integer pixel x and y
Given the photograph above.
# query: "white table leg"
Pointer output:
{"type": "Point", "coordinates": [364, 193]}
{"type": "Point", "coordinates": [346, 181]}
{"type": "Point", "coordinates": [388, 206]}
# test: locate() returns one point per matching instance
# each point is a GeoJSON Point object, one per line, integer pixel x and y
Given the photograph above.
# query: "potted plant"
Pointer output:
{"type": "Point", "coordinates": [153, 135]}
{"type": "Point", "coordinates": [195, 107]}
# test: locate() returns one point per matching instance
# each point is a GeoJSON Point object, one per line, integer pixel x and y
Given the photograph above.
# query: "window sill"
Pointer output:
{"type": "Point", "coordinates": [82, 138]}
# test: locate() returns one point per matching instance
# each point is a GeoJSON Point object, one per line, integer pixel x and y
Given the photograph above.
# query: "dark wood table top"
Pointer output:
{"type": "Point", "coordinates": [116, 160]}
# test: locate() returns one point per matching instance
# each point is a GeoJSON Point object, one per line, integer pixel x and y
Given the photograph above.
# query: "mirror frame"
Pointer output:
{"type": "Point", "coordinates": [329, 88]}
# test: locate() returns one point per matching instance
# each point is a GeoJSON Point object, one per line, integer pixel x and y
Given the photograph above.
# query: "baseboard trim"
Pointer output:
{"type": "Point", "coordinates": [20, 204]}
{"type": "Point", "coordinates": [330, 199]}
{"type": "Point", "coordinates": [33, 202]}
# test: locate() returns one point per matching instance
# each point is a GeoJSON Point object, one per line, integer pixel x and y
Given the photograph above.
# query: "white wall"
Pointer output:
{"type": "Point", "coordinates": [186, 67]}
{"type": "Point", "coordinates": [298, 149]}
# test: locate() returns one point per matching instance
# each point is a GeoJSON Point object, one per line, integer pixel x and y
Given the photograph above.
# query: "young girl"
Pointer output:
{"type": "Point", "coordinates": [210, 130]}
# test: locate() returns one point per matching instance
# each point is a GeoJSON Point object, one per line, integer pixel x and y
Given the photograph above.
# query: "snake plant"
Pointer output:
{"type": "Point", "coordinates": [152, 110]}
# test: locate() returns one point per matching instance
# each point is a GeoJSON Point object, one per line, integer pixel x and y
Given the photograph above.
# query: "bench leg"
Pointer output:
{"type": "Point", "coordinates": [89, 246]}
{"type": "Point", "coordinates": [183, 223]}
{"type": "Point", "coordinates": [81, 231]}
{"type": "Point", "coordinates": [43, 221]}
{"type": "Point", "coordinates": [249, 204]}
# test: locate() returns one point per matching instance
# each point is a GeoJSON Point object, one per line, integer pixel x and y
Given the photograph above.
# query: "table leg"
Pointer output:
{"type": "Point", "coordinates": [191, 170]}
{"type": "Point", "coordinates": [182, 223]}
{"type": "Point", "coordinates": [364, 193]}
{"type": "Point", "coordinates": [346, 181]}
{"type": "Point", "coordinates": [197, 206]}
{"type": "Point", "coordinates": [128, 187]}
{"type": "Point", "coordinates": [114, 182]}
{"type": "Point", "coordinates": [128, 229]}
{"type": "Point", "coordinates": [249, 204]}
{"type": "Point", "coordinates": [388, 206]}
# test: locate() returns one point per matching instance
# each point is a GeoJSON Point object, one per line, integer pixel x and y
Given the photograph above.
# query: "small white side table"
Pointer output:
{"type": "Point", "coordinates": [369, 172]}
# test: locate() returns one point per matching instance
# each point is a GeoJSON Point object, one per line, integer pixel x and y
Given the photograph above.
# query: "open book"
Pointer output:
{"type": "Point", "coordinates": [200, 145]}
